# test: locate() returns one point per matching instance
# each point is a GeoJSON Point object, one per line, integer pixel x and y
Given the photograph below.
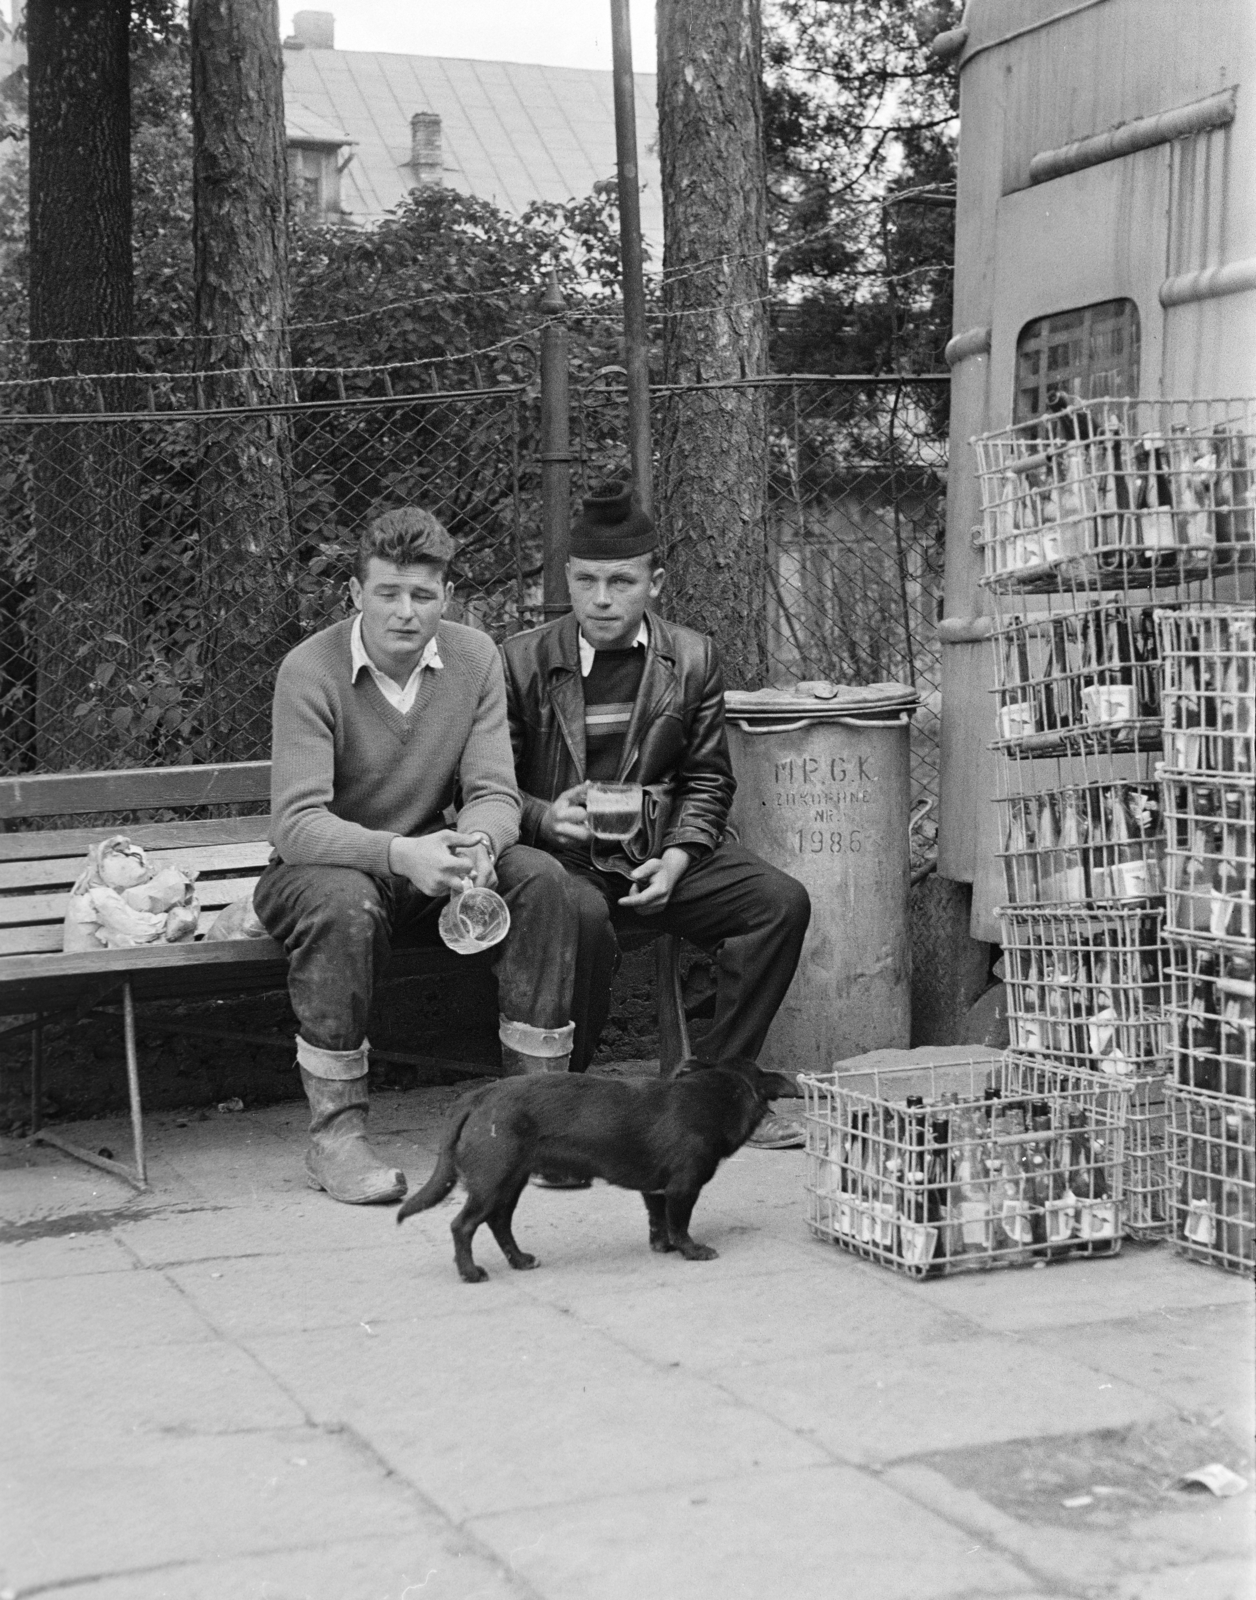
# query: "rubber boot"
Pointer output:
{"type": "Point", "coordinates": [520, 1061]}
{"type": "Point", "coordinates": [518, 1064]}
{"type": "Point", "coordinates": [339, 1159]}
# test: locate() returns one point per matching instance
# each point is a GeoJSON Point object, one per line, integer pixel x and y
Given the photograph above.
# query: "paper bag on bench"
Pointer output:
{"type": "Point", "coordinates": [120, 901]}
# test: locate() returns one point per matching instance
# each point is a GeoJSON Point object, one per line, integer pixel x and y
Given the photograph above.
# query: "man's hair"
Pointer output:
{"type": "Point", "coordinates": [409, 537]}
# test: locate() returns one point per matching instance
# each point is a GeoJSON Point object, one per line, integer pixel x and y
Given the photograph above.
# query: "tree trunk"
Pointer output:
{"type": "Point", "coordinates": [86, 612]}
{"type": "Point", "coordinates": [241, 267]}
{"type": "Point", "coordinates": [713, 445]}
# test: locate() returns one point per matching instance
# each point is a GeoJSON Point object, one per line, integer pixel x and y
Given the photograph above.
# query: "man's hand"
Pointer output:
{"type": "Point", "coordinates": [430, 863]}
{"type": "Point", "coordinates": [565, 820]}
{"type": "Point", "coordinates": [483, 872]}
{"type": "Point", "coordinates": [654, 880]}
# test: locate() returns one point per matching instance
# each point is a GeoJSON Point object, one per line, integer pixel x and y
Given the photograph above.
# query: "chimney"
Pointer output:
{"type": "Point", "coordinates": [425, 150]}
{"type": "Point", "coordinates": [315, 30]}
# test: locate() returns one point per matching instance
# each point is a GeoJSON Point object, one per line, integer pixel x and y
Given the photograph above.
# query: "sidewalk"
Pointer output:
{"type": "Point", "coordinates": [231, 1388]}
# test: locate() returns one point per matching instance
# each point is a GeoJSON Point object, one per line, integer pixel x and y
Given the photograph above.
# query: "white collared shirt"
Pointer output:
{"type": "Point", "coordinates": [587, 652]}
{"type": "Point", "coordinates": [401, 699]}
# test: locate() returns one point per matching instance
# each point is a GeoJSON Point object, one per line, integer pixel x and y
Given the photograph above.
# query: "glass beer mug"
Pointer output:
{"type": "Point", "coordinates": [613, 811]}
{"type": "Point", "coordinates": [473, 920]}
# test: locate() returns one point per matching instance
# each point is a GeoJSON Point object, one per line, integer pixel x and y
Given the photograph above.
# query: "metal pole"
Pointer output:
{"type": "Point", "coordinates": [555, 453]}
{"type": "Point", "coordinates": [637, 349]}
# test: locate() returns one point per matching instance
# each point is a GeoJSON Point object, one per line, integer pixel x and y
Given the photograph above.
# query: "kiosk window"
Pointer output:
{"type": "Point", "coordinates": [1076, 355]}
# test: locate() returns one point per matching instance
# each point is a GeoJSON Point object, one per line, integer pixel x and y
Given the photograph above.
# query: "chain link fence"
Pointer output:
{"type": "Point", "coordinates": [156, 565]}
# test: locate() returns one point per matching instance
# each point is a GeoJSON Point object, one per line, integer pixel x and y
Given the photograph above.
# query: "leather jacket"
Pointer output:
{"type": "Point", "coordinates": [675, 742]}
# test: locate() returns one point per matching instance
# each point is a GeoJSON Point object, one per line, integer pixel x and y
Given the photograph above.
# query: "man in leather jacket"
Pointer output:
{"type": "Point", "coordinates": [614, 693]}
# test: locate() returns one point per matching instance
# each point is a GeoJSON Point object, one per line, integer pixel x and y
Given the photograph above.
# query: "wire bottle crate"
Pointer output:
{"type": "Point", "coordinates": [1209, 694]}
{"type": "Point", "coordinates": [1086, 988]}
{"type": "Point", "coordinates": [1212, 1016]}
{"type": "Point", "coordinates": [1210, 825]}
{"type": "Point", "coordinates": [957, 1168]}
{"type": "Point", "coordinates": [1108, 492]}
{"type": "Point", "coordinates": [1212, 1176]}
{"type": "Point", "coordinates": [1078, 681]}
{"type": "Point", "coordinates": [1097, 843]}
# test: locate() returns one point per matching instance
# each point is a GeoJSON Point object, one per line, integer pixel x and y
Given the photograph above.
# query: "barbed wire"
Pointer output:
{"type": "Point", "coordinates": [276, 372]}
{"type": "Point", "coordinates": [665, 281]}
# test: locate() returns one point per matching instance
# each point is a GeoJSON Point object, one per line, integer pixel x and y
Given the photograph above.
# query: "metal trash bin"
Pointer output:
{"type": "Point", "coordinates": [824, 793]}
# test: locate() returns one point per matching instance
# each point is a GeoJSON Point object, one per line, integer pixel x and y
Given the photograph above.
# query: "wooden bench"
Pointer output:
{"type": "Point", "coordinates": [38, 866]}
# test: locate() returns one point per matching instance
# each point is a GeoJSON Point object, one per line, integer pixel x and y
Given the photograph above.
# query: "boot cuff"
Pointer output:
{"type": "Point", "coordinates": [530, 1041]}
{"type": "Point", "coordinates": [340, 1065]}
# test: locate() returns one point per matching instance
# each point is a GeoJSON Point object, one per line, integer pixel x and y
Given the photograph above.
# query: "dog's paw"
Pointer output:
{"type": "Point", "coordinates": [661, 1244]}
{"type": "Point", "coordinates": [523, 1262]}
{"type": "Point", "coordinates": [473, 1274]}
{"type": "Point", "coordinates": [698, 1252]}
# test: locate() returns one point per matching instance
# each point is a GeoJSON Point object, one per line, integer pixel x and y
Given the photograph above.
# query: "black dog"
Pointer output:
{"type": "Point", "coordinates": [663, 1137]}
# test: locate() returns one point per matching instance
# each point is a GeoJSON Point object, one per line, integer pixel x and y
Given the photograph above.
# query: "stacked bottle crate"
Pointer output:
{"type": "Point", "coordinates": [1096, 517]}
{"type": "Point", "coordinates": [1209, 703]}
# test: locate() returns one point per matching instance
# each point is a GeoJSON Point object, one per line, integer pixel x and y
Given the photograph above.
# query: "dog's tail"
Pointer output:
{"type": "Point", "coordinates": [444, 1174]}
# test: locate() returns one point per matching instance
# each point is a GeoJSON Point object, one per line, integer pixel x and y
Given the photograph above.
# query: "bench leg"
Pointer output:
{"type": "Point", "coordinates": [139, 1177]}
{"type": "Point", "coordinates": [37, 1072]}
{"type": "Point", "coordinates": [674, 1044]}
{"type": "Point", "coordinates": [133, 1085]}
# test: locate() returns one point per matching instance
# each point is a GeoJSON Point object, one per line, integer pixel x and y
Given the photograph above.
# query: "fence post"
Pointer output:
{"type": "Point", "coordinates": [555, 452]}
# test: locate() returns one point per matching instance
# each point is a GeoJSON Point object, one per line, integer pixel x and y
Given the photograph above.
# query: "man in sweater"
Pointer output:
{"type": "Point", "coordinates": [381, 724]}
{"type": "Point", "coordinates": [613, 693]}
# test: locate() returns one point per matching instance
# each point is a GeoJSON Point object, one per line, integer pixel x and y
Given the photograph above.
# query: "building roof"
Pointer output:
{"type": "Point", "coordinates": [511, 133]}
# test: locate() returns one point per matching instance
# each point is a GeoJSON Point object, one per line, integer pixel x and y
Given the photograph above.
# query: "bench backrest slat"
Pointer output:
{"type": "Point", "coordinates": [61, 794]}
{"type": "Point", "coordinates": [45, 843]}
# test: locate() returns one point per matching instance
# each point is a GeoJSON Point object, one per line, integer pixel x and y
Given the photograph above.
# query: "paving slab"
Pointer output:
{"type": "Point", "coordinates": [128, 1310]}
{"type": "Point", "coordinates": [910, 1398]}
{"type": "Point", "coordinates": [1095, 1558]}
{"type": "Point", "coordinates": [369, 1568]}
{"type": "Point", "coordinates": [829, 1533]}
{"type": "Point", "coordinates": [233, 1494]}
{"type": "Point", "coordinates": [522, 1406]}
{"type": "Point", "coordinates": [707, 1322]}
{"type": "Point", "coordinates": [1140, 1279]}
{"type": "Point", "coordinates": [35, 1255]}
{"type": "Point", "coordinates": [1200, 1362]}
{"type": "Point", "coordinates": [81, 1401]}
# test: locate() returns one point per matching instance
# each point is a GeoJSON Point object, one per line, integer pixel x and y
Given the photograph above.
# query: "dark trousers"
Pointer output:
{"type": "Point", "coordinates": [747, 914]}
{"type": "Point", "coordinates": [338, 926]}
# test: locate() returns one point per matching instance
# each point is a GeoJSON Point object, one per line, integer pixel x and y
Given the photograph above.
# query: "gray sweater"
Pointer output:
{"type": "Point", "coordinates": [349, 772]}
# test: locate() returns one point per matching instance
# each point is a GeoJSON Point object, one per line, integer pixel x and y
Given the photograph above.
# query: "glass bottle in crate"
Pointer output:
{"type": "Point", "coordinates": [917, 1237]}
{"type": "Point", "coordinates": [1047, 855]}
{"type": "Point", "coordinates": [1020, 866]}
{"type": "Point", "coordinates": [1072, 880]}
{"type": "Point", "coordinates": [939, 1195]}
{"type": "Point", "coordinates": [1017, 711]}
{"type": "Point", "coordinates": [1038, 1172]}
{"type": "Point", "coordinates": [971, 1185]}
{"type": "Point", "coordinates": [1192, 496]}
{"type": "Point", "coordinates": [1146, 664]}
{"type": "Point", "coordinates": [1236, 1220]}
{"type": "Point", "coordinates": [1014, 1226]}
{"type": "Point", "coordinates": [1200, 1182]}
{"type": "Point", "coordinates": [1154, 497]}
{"type": "Point", "coordinates": [1096, 1211]}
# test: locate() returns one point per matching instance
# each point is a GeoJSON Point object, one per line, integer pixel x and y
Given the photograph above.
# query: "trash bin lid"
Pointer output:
{"type": "Point", "coordinates": [820, 701]}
